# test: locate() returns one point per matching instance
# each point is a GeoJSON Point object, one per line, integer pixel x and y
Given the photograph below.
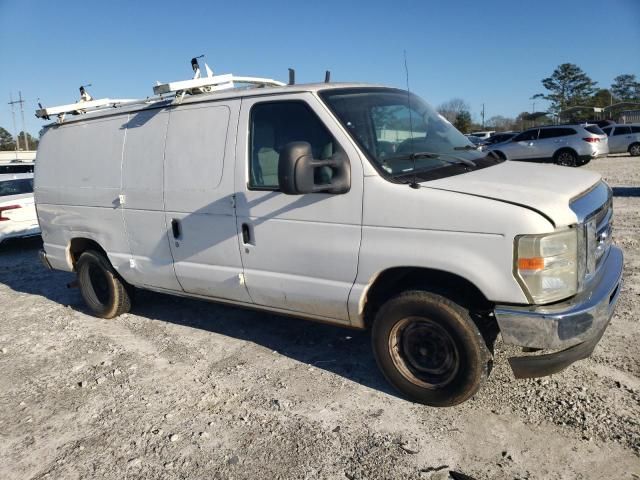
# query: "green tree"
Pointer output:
{"type": "Point", "coordinates": [6, 140]}
{"type": "Point", "coordinates": [568, 86]}
{"type": "Point", "coordinates": [626, 88]}
{"type": "Point", "coordinates": [602, 98]}
{"type": "Point", "coordinates": [33, 142]}
{"type": "Point", "coordinates": [463, 121]}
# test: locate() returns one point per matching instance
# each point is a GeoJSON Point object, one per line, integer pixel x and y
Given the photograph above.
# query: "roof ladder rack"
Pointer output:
{"type": "Point", "coordinates": [197, 84]}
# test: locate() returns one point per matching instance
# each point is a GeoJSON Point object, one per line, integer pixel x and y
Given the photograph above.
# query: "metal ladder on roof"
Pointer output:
{"type": "Point", "coordinates": [194, 86]}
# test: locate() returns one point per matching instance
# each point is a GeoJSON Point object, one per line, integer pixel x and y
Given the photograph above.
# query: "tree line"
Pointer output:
{"type": "Point", "coordinates": [568, 86]}
{"type": "Point", "coordinates": [8, 142]}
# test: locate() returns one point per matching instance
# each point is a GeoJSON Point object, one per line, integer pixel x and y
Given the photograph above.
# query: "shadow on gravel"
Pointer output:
{"type": "Point", "coordinates": [341, 351]}
{"type": "Point", "coordinates": [626, 191]}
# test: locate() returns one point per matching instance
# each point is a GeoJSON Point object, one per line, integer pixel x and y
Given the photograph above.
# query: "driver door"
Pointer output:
{"type": "Point", "coordinates": [299, 252]}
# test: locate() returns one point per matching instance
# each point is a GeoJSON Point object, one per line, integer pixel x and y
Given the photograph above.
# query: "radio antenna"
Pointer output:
{"type": "Point", "coordinates": [414, 183]}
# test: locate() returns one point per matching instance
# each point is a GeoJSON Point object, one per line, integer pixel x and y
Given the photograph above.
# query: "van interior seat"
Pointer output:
{"type": "Point", "coordinates": [264, 158]}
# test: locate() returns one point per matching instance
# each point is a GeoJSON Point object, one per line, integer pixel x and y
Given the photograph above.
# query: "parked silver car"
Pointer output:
{"type": "Point", "coordinates": [568, 145]}
{"type": "Point", "coordinates": [624, 138]}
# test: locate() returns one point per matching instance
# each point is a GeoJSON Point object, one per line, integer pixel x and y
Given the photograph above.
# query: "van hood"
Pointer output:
{"type": "Point", "coordinates": [547, 189]}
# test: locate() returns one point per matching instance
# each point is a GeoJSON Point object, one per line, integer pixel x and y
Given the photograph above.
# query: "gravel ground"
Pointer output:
{"type": "Point", "coordinates": [183, 389]}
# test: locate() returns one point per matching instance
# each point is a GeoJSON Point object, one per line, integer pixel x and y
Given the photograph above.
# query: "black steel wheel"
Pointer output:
{"type": "Point", "coordinates": [423, 352]}
{"type": "Point", "coordinates": [428, 347]}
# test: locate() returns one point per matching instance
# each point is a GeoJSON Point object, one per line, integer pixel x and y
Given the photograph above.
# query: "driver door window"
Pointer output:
{"type": "Point", "coordinates": [274, 125]}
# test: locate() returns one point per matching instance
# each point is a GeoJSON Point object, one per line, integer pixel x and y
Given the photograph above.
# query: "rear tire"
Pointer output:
{"type": "Point", "coordinates": [634, 149]}
{"type": "Point", "coordinates": [104, 292]}
{"type": "Point", "coordinates": [566, 158]}
{"type": "Point", "coordinates": [429, 348]}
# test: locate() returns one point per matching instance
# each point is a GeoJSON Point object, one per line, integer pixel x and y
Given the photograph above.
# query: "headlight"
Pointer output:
{"type": "Point", "coordinates": [547, 266]}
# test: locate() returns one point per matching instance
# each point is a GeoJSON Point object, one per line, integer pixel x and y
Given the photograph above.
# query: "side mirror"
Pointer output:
{"type": "Point", "coordinates": [300, 173]}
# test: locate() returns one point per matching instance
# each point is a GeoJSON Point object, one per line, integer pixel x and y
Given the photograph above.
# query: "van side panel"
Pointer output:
{"type": "Point", "coordinates": [199, 199]}
{"type": "Point", "coordinates": [143, 209]}
{"type": "Point", "coordinates": [77, 188]}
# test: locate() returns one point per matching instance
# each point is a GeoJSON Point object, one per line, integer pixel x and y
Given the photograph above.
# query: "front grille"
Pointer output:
{"type": "Point", "coordinates": [595, 214]}
{"type": "Point", "coordinates": [598, 238]}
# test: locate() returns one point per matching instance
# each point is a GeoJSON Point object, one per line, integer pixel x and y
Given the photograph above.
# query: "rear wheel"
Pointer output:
{"type": "Point", "coordinates": [104, 292]}
{"type": "Point", "coordinates": [566, 158]}
{"type": "Point", "coordinates": [634, 149]}
{"type": "Point", "coordinates": [429, 348]}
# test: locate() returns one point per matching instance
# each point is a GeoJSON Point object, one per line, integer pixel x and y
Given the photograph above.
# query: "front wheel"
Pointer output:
{"type": "Point", "coordinates": [429, 348]}
{"type": "Point", "coordinates": [634, 149]}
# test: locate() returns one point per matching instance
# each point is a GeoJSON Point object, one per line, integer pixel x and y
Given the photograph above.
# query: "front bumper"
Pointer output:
{"type": "Point", "coordinates": [574, 327]}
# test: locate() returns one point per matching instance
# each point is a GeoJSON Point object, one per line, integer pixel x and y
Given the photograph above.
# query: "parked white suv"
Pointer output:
{"type": "Point", "coordinates": [323, 201]}
{"type": "Point", "coordinates": [483, 135]}
{"type": "Point", "coordinates": [624, 138]}
{"type": "Point", "coordinates": [567, 145]}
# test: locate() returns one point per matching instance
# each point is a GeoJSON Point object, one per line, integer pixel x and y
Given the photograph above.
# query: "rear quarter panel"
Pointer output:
{"type": "Point", "coordinates": [77, 186]}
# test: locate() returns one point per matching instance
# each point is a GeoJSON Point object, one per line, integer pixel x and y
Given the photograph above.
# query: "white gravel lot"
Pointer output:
{"type": "Point", "coordinates": [185, 389]}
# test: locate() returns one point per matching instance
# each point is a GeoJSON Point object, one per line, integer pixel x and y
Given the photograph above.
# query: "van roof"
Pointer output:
{"type": "Point", "coordinates": [168, 100]}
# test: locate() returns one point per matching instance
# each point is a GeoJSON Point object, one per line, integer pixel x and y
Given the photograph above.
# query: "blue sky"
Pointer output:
{"type": "Point", "coordinates": [491, 52]}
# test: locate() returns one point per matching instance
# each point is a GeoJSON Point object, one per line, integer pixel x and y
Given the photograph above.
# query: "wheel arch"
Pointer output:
{"type": "Point", "coordinates": [394, 280]}
{"type": "Point", "coordinates": [564, 149]}
{"type": "Point", "coordinates": [78, 245]}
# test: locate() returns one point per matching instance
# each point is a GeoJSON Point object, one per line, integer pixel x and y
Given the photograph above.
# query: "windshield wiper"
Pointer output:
{"type": "Point", "coordinates": [416, 155]}
{"type": "Point", "coordinates": [467, 147]}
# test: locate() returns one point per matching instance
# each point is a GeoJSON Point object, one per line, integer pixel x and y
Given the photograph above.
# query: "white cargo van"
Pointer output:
{"type": "Point", "coordinates": [351, 204]}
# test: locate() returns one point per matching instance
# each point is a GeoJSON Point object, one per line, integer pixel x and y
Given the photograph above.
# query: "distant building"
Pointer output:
{"type": "Point", "coordinates": [629, 116]}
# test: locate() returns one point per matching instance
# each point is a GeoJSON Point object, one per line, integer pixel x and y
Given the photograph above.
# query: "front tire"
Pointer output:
{"type": "Point", "coordinates": [634, 149]}
{"type": "Point", "coordinates": [429, 348]}
{"type": "Point", "coordinates": [104, 292]}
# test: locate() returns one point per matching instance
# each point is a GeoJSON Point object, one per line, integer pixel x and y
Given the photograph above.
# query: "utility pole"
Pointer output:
{"type": "Point", "coordinates": [24, 130]}
{"type": "Point", "coordinates": [483, 116]}
{"type": "Point", "coordinates": [13, 114]}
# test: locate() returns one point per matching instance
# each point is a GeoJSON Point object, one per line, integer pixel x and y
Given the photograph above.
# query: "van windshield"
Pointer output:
{"type": "Point", "coordinates": [402, 135]}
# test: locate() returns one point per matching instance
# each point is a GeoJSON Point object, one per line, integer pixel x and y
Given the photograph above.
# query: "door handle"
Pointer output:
{"type": "Point", "coordinates": [246, 235]}
{"type": "Point", "coordinates": [175, 227]}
